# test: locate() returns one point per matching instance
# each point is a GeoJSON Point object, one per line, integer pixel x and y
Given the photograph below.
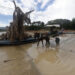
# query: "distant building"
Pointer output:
{"type": "Point", "coordinates": [54, 25]}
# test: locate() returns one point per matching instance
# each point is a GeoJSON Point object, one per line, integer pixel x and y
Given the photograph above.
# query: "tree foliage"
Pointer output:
{"type": "Point", "coordinates": [35, 26]}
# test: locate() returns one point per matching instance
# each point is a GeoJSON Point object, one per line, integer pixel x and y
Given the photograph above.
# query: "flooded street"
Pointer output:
{"type": "Point", "coordinates": [29, 59]}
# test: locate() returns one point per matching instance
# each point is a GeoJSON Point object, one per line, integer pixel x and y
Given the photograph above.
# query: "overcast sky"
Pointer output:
{"type": "Point", "coordinates": [45, 10]}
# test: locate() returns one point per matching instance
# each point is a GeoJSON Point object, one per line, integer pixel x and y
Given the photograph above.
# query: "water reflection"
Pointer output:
{"type": "Point", "coordinates": [48, 55]}
{"type": "Point", "coordinates": [44, 53]}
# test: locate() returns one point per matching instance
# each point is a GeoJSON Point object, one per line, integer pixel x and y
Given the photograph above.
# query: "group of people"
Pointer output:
{"type": "Point", "coordinates": [45, 36]}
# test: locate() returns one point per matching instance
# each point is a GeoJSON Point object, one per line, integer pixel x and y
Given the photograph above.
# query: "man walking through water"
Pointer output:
{"type": "Point", "coordinates": [57, 40]}
{"type": "Point", "coordinates": [47, 38]}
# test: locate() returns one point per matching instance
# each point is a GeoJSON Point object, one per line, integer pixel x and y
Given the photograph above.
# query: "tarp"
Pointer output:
{"type": "Point", "coordinates": [56, 25]}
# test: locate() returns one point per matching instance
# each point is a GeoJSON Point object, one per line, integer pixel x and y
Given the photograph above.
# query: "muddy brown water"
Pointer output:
{"type": "Point", "coordinates": [29, 59]}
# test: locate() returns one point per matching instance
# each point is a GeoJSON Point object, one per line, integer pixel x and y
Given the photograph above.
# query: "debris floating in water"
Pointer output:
{"type": "Point", "coordinates": [5, 61]}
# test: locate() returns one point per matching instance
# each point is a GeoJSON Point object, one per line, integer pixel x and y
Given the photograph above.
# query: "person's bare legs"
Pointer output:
{"type": "Point", "coordinates": [42, 43]}
{"type": "Point", "coordinates": [38, 42]}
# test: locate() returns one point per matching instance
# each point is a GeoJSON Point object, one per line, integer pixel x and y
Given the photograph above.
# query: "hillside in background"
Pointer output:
{"type": "Point", "coordinates": [2, 28]}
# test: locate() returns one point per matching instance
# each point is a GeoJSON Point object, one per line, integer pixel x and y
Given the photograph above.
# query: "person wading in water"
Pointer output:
{"type": "Point", "coordinates": [47, 38]}
{"type": "Point", "coordinates": [41, 37]}
{"type": "Point", "coordinates": [57, 40]}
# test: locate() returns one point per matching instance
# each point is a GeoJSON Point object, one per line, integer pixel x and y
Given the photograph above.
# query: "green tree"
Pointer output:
{"type": "Point", "coordinates": [73, 23]}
